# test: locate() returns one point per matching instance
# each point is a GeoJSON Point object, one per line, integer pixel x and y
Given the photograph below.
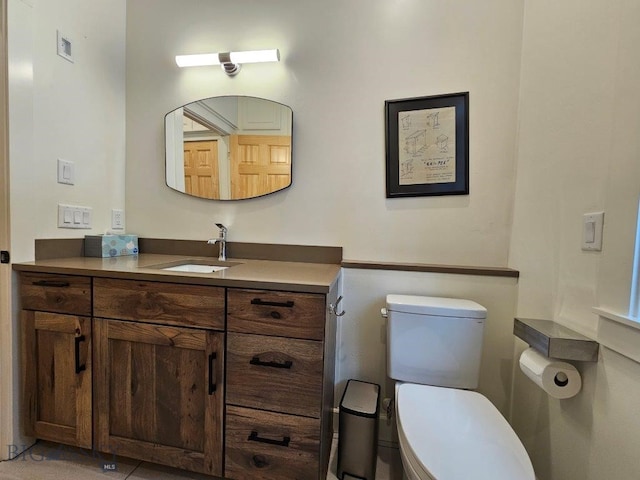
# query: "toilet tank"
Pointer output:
{"type": "Point", "coordinates": [434, 340]}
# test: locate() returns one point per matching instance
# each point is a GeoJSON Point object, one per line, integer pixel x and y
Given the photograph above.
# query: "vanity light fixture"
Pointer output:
{"type": "Point", "coordinates": [229, 61]}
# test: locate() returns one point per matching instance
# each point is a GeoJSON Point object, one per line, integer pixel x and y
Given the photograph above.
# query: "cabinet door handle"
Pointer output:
{"type": "Point", "coordinates": [212, 373]}
{"type": "Point", "coordinates": [79, 368]}
{"type": "Point", "coordinates": [51, 283]}
{"type": "Point", "coordinates": [281, 443]}
{"type": "Point", "coordinates": [260, 363]}
{"type": "Point", "coordinates": [259, 301]}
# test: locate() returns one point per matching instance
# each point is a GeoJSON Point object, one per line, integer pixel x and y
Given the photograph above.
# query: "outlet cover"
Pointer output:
{"type": "Point", "coordinates": [117, 219]}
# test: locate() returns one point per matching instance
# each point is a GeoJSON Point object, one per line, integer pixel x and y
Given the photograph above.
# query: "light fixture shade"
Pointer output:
{"type": "Point", "coordinates": [256, 56]}
{"type": "Point", "coordinates": [197, 60]}
{"type": "Point", "coordinates": [252, 56]}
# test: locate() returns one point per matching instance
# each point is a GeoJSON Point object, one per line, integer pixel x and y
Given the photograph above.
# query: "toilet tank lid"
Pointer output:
{"type": "Point", "coordinates": [440, 306]}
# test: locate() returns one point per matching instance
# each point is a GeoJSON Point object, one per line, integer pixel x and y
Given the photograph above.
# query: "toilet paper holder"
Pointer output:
{"type": "Point", "coordinates": [555, 341]}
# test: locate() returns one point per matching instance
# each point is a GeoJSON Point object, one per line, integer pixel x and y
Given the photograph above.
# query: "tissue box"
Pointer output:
{"type": "Point", "coordinates": [110, 245]}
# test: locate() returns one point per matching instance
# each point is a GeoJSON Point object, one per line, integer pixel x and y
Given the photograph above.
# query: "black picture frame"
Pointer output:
{"type": "Point", "coordinates": [426, 165]}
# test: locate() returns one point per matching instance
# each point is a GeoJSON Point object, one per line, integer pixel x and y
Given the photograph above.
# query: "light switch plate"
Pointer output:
{"type": "Point", "coordinates": [71, 216]}
{"type": "Point", "coordinates": [592, 227]}
{"type": "Point", "coordinates": [66, 172]}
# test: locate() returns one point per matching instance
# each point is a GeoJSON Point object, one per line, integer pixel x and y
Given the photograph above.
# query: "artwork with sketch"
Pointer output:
{"type": "Point", "coordinates": [427, 146]}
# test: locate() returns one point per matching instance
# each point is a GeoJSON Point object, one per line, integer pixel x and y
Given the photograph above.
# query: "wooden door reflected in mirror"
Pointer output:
{"type": "Point", "coordinates": [229, 148]}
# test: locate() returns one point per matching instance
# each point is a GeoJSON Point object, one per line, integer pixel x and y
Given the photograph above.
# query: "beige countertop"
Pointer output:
{"type": "Point", "coordinates": [246, 273]}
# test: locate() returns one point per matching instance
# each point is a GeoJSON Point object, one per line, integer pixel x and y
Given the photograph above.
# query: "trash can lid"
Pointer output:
{"type": "Point", "coordinates": [361, 398]}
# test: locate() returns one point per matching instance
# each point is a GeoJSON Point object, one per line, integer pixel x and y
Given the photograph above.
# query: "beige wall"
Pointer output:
{"type": "Point", "coordinates": [579, 152]}
{"type": "Point", "coordinates": [74, 111]}
{"type": "Point", "coordinates": [340, 62]}
{"type": "Point", "coordinates": [58, 109]}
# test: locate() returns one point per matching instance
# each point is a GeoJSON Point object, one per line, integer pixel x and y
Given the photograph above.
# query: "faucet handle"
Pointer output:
{"type": "Point", "coordinates": [221, 227]}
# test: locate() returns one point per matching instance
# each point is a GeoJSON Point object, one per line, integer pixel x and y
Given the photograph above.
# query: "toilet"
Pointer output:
{"type": "Point", "coordinates": [446, 431]}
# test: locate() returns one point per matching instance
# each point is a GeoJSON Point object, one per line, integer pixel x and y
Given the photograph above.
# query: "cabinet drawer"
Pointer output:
{"type": "Point", "coordinates": [56, 293]}
{"type": "Point", "coordinates": [157, 302]}
{"type": "Point", "coordinates": [270, 446]}
{"type": "Point", "coordinates": [274, 373]}
{"type": "Point", "coordinates": [296, 315]}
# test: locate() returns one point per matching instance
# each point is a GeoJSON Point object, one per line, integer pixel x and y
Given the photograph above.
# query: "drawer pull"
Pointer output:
{"type": "Point", "coordinates": [51, 283]}
{"type": "Point", "coordinates": [281, 443]}
{"type": "Point", "coordinates": [258, 301]}
{"type": "Point", "coordinates": [260, 363]}
{"type": "Point", "coordinates": [79, 368]}
{"type": "Point", "coordinates": [212, 379]}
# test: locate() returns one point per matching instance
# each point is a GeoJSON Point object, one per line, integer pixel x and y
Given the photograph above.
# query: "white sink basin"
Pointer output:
{"type": "Point", "coordinates": [196, 268]}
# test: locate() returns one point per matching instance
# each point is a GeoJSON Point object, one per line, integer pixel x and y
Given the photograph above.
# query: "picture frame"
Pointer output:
{"type": "Point", "coordinates": [427, 145]}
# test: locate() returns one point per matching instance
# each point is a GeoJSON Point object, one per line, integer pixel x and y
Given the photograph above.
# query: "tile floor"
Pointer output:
{"type": "Point", "coordinates": [48, 461]}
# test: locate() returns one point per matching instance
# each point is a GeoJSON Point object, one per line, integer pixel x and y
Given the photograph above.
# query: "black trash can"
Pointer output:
{"type": "Point", "coordinates": [358, 431]}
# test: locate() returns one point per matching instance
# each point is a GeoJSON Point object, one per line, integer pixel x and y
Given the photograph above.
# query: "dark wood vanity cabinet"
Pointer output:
{"type": "Point", "coordinates": [56, 352]}
{"type": "Point", "coordinates": [159, 387]}
{"type": "Point", "coordinates": [236, 383]}
{"type": "Point", "coordinates": [280, 370]}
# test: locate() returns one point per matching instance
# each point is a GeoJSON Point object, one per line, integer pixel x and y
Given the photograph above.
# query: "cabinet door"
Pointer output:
{"type": "Point", "coordinates": [57, 377]}
{"type": "Point", "coordinates": [159, 393]}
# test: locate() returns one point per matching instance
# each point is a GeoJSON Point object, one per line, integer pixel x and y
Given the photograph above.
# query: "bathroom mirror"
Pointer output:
{"type": "Point", "coordinates": [229, 148]}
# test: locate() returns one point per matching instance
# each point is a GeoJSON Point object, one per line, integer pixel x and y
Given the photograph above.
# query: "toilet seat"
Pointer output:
{"type": "Point", "coordinates": [451, 434]}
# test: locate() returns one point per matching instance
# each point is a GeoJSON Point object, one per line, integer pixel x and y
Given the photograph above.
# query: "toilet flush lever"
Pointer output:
{"type": "Point", "coordinates": [334, 308]}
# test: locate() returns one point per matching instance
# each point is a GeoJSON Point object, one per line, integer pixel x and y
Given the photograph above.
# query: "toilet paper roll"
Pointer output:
{"type": "Point", "coordinates": [558, 379]}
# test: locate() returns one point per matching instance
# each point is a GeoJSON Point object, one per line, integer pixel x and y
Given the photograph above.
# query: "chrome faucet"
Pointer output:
{"type": "Point", "coordinates": [221, 241]}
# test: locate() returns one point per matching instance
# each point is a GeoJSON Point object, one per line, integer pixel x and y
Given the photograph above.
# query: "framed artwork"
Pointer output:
{"type": "Point", "coordinates": [427, 145]}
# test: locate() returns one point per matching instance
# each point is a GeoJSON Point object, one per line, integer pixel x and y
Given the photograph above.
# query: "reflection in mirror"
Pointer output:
{"type": "Point", "coordinates": [229, 148]}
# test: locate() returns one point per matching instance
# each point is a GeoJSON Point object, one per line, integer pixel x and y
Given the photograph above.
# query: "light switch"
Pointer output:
{"type": "Point", "coordinates": [66, 172]}
{"type": "Point", "coordinates": [71, 216]}
{"type": "Point", "coordinates": [589, 232]}
{"type": "Point", "coordinates": [592, 227]}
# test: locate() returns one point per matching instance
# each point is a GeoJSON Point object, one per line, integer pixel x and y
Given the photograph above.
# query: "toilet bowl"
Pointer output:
{"type": "Point", "coordinates": [446, 431]}
{"type": "Point", "coordinates": [448, 434]}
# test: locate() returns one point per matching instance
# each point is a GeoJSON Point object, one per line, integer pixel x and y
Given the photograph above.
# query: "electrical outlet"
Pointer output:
{"type": "Point", "coordinates": [117, 219]}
